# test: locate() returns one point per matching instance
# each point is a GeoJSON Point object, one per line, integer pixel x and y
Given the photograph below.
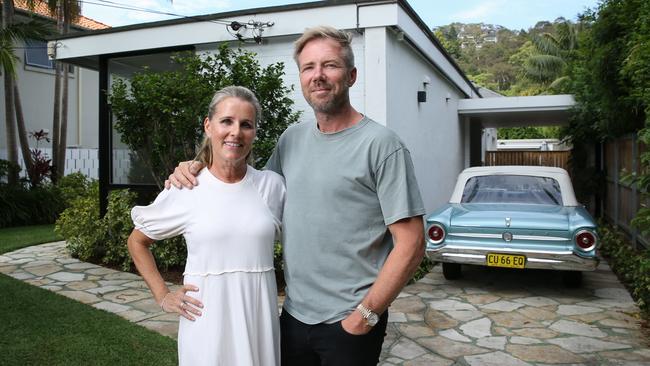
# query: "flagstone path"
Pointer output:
{"type": "Point", "coordinates": [490, 317]}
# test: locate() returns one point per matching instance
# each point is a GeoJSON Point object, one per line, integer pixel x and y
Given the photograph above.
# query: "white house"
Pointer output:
{"type": "Point", "coordinates": [35, 78]}
{"type": "Point", "coordinates": [406, 80]}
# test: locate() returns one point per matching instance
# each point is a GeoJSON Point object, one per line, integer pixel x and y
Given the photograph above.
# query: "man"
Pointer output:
{"type": "Point", "coordinates": [353, 231]}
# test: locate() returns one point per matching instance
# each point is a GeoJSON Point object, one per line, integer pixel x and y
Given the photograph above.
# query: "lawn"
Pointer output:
{"type": "Point", "coordinates": [40, 327]}
{"type": "Point", "coordinates": [14, 238]}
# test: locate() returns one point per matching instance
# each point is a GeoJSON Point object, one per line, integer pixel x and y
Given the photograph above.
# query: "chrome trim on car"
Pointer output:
{"type": "Point", "coordinates": [514, 236]}
{"type": "Point", "coordinates": [542, 259]}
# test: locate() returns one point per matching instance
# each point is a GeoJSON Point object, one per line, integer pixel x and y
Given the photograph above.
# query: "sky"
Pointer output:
{"type": "Point", "coordinates": [512, 14]}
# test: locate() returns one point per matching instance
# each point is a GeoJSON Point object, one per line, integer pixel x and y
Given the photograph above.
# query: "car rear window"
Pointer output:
{"type": "Point", "coordinates": [512, 189]}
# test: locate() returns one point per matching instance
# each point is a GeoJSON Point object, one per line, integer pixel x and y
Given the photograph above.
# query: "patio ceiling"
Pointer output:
{"type": "Point", "coordinates": [541, 110]}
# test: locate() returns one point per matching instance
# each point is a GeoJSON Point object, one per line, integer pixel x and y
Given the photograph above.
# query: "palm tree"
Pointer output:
{"type": "Point", "coordinates": [548, 65]}
{"type": "Point", "coordinates": [9, 35]}
{"type": "Point", "coordinates": [66, 11]}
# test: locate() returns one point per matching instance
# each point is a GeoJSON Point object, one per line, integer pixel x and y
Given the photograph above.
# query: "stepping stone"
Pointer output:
{"type": "Point", "coordinates": [449, 349]}
{"type": "Point", "coordinates": [105, 289]}
{"type": "Point", "coordinates": [576, 310]}
{"type": "Point", "coordinates": [450, 305]}
{"type": "Point", "coordinates": [494, 359]}
{"type": "Point", "coordinates": [502, 306]}
{"type": "Point", "coordinates": [454, 335]}
{"type": "Point", "coordinates": [111, 307]}
{"type": "Point", "coordinates": [43, 270]}
{"type": "Point", "coordinates": [477, 328]}
{"type": "Point", "coordinates": [81, 265]}
{"type": "Point", "coordinates": [544, 354]}
{"type": "Point", "coordinates": [414, 331]}
{"type": "Point", "coordinates": [492, 342]}
{"type": "Point", "coordinates": [575, 328]}
{"type": "Point", "coordinates": [582, 344]}
{"type": "Point", "coordinates": [127, 296]}
{"type": "Point", "coordinates": [536, 301]}
{"type": "Point", "coordinates": [67, 276]}
{"type": "Point", "coordinates": [81, 296]}
{"type": "Point", "coordinates": [464, 315]}
{"type": "Point", "coordinates": [406, 349]}
{"type": "Point", "coordinates": [524, 340]}
{"type": "Point", "coordinates": [81, 285]}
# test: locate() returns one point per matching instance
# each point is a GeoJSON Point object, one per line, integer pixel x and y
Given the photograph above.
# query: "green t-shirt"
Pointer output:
{"type": "Point", "coordinates": [343, 189]}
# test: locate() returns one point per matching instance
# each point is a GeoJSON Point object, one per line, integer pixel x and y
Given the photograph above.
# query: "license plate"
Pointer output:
{"type": "Point", "coordinates": [506, 260]}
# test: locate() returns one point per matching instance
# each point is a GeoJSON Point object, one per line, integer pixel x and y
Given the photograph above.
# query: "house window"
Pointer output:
{"type": "Point", "coordinates": [36, 54]}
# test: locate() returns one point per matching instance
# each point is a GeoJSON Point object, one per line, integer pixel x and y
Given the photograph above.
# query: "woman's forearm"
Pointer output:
{"type": "Point", "coordinates": [138, 245]}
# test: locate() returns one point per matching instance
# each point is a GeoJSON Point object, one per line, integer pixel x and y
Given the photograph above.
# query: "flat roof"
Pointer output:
{"type": "Point", "coordinates": [85, 48]}
{"type": "Point", "coordinates": [539, 110]}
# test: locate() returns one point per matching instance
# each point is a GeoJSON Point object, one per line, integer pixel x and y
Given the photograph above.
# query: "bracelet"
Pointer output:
{"type": "Point", "coordinates": [162, 302]}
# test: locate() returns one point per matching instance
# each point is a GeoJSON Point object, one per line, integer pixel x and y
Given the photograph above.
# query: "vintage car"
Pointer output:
{"type": "Point", "coordinates": [514, 217]}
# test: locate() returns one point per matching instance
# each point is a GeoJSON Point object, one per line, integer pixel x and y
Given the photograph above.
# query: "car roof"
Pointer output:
{"type": "Point", "coordinates": [559, 174]}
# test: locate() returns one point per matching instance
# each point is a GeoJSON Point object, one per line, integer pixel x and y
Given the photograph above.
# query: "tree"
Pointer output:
{"type": "Point", "coordinates": [14, 119]}
{"type": "Point", "coordinates": [548, 65]}
{"type": "Point", "coordinates": [162, 123]}
{"type": "Point", "coordinates": [66, 12]}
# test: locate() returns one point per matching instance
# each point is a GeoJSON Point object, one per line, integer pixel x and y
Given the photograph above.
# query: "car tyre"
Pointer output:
{"type": "Point", "coordinates": [451, 271]}
{"type": "Point", "coordinates": [572, 279]}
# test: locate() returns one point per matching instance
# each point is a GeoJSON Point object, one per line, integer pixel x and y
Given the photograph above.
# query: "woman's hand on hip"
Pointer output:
{"type": "Point", "coordinates": [179, 302]}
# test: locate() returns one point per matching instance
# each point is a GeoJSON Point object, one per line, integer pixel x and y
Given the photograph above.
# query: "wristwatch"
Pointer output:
{"type": "Point", "coordinates": [371, 317]}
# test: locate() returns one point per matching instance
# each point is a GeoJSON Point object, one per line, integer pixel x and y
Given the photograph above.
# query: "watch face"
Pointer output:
{"type": "Point", "coordinates": [373, 319]}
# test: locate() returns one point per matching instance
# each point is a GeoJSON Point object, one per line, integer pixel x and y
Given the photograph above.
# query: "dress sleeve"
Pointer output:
{"type": "Point", "coordinates": [165, 218]}
{"type": "Point", "coordinates": [273, 192]}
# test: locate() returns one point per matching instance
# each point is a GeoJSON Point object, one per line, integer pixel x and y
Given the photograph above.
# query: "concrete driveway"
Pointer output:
{"type": "Point", "coordinates": [514, 317]}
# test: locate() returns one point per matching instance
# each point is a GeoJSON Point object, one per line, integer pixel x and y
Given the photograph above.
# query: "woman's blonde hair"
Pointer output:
{"type": "Point", "coordinates": [204, 154]}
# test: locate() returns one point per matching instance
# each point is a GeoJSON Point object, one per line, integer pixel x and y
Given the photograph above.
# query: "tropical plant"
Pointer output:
{"type": "Point", "coordinates": [548, 65]}
{"type": "Point", "coordinates": [10, 34]}
{"type": "Point", "coordinates": [41, 167]}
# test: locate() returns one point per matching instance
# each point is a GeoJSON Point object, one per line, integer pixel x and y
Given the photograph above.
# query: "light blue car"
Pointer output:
{"type": "Point", "coordinates": [514, 217]}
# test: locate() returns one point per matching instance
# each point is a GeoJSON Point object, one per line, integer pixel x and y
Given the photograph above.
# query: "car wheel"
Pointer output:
{"type": "Point", "coordinates": [572, 279]}
{"type": "Point", "coordinates": [451, 271]}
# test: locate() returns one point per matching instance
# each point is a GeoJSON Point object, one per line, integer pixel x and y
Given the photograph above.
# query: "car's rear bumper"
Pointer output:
{"type": "Point", "coordinates": [559, 260]}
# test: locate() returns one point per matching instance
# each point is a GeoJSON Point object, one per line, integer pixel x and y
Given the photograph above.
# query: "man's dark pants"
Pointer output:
{"type": "Point", "coordinates": [329, 344]}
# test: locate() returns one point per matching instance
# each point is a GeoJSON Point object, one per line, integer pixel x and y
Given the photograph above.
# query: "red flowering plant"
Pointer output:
{"type": "Point", "coordinates": [41, 168]}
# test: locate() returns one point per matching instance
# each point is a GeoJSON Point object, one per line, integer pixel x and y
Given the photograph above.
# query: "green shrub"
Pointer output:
{"type": "Point", "coordinates": [81, 228]}
{"type": "Point", "coordinates": [72, 186]}
{"type": "Point", "coordinates": [631, 266]}
{"type": "Point", "coordinates": [103, 241]}
{"type": "Point", "coordinates": [22, 206]}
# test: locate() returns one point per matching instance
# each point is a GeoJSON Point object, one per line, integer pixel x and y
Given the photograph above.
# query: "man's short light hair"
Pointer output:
{"type": "Point", "coordinates": [323, 31]}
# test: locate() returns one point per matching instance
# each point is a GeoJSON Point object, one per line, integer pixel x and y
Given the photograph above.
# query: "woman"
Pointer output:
{"type": "Point", "coordinates": [228, 303]}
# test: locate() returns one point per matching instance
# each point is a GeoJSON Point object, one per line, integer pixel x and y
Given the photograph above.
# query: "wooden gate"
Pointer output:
{"type": "Point", "coordinates": [558, 159]}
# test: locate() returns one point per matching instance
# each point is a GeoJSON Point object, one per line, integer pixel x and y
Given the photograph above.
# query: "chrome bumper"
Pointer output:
{"type": "Point", "coordinates": [559, 260]}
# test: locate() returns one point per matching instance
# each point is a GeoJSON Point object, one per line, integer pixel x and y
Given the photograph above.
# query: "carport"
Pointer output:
{"type": "Point", "coordinates": [482, 113]}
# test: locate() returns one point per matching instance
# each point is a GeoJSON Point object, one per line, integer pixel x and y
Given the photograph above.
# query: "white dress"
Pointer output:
{"type": "Point", "coordinates": [230, 230]}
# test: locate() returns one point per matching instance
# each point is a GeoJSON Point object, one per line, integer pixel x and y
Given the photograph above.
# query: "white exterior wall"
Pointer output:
{"type": "Point", "coordinates": [431, 130]}
{"type": "Point", "coordinates": [36, 87]}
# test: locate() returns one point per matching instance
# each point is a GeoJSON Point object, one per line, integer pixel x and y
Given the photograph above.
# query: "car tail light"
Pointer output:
{"type": "Point", "coordinates": [586, 240]}
{"type": "Point", "coordinates": [436, 233]}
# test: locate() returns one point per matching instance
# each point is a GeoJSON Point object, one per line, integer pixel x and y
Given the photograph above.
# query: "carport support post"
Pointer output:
{"type": "Point", "coordinates": [475, 142]}
{"type": "Point", "coordinates": [104, 153]}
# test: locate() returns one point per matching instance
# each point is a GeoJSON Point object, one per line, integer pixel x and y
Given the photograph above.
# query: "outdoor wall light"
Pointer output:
{"type": "Point", "coordinates": [422, 96]}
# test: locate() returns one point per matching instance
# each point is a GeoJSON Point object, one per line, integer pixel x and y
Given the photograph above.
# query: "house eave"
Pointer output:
{"type": "Point", "coordinates": [289, 20]}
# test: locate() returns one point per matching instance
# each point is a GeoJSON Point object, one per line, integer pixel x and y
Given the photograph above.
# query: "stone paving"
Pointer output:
{"type": "Point", "coordinates": [490, 317]}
